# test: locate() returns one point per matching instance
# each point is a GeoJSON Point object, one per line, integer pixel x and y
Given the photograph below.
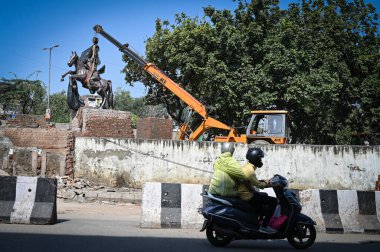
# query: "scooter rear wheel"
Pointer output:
{"type": "Point", "coordinates": [302, 236]}
{"type": "Point", "coordinates": [217, 239]}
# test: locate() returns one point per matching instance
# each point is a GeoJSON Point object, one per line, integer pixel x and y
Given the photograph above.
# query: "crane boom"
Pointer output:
{"type": "Point", "coordinates": [207, 123]}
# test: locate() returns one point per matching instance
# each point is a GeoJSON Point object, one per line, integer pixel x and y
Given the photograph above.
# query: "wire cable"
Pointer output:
{"type": "Point", "coordinates": [156, 157]}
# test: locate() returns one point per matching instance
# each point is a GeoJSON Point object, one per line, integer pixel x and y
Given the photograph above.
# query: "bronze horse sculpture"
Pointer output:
{"type": "Point", "coordinates": [90, 80]}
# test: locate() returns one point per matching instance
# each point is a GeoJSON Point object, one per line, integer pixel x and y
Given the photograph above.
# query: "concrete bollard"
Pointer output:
{"type": "Point", "coordinates": [171, 205]}
{"type": "Point", "coordinates": [28, 200]}
{"type": "Point", "coordinates": [335, 211]}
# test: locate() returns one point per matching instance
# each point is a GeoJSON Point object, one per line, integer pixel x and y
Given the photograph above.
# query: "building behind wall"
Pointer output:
{"type": "Point", "coordinates": [92, 100]}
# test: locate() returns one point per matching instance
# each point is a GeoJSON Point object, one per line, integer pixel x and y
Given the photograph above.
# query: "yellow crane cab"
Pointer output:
{"type": "Point", "coordinates": [268, 127]}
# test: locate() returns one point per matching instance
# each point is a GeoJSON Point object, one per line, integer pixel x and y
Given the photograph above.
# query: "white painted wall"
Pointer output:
{"type": "Point", "coordinates": [305, 166]}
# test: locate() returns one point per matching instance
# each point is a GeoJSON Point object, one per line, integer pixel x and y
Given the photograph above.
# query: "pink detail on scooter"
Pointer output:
{"type": "Point", "coordinates": [277, 222]}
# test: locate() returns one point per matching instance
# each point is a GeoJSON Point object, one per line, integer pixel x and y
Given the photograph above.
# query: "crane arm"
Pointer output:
{"type": "Point", "coordinates": [161, 77]}
{"type": "Point", "coordinates": [156, 73]}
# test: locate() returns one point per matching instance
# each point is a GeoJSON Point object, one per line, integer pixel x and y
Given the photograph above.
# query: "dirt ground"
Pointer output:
{"type": "Point", "coordinates": [98, 210]}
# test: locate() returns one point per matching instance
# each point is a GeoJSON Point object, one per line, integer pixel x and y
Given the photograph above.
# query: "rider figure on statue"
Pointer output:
{"type": "Point", "coordinates": [93, 60]}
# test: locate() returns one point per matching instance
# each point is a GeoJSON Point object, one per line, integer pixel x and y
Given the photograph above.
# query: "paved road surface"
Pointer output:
{"type": "Point", "coordinates": [94, 227]}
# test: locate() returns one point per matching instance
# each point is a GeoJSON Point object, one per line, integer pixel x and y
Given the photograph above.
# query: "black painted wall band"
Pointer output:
{"type": "Point", "coordinates": [367, 202]}
{"type": "Point", "coordinates": [170, 205]}
{"type": "Point", "coordinates": [7, 197]}
{"type": "Point", "coordinates": [330, 211]}
{"type": "Point", "coordinates": [45, 203]}
{"type": "Point", "coordinates": [367, 212]}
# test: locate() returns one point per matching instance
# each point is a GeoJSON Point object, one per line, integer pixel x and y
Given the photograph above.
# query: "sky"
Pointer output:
{"type": "Point", "coordinates": [28, 26]}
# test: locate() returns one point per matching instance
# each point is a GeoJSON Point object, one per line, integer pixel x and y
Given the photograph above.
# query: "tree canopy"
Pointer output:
{"type": "Point", "coordinates": [23, 96]}
{"type": "Point", "coordinates": [318, 59]}
{"type": "Point", "coordinates": [137, 106]}
{"type": "Point", "coordinates": [60, 111]}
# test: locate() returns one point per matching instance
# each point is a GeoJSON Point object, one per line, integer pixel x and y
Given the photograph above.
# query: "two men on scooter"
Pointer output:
{"type": "Point", "coordinates": [231, 180]}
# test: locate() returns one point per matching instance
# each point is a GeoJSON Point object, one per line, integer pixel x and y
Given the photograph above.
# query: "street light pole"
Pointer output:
{"type": "Point", "coordinates": [48, 96]}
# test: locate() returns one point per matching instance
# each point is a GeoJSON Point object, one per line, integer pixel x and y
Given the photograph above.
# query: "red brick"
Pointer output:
{"type": "Point", "coordinates": [154, 128]}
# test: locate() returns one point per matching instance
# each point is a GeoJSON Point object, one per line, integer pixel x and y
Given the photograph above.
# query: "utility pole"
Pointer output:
{"type": "Point", "coordinates": [47, 114]}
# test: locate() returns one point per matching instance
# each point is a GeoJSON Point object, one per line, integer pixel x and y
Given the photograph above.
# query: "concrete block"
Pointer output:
{"type": "Point", "coordinates": [104, 196]}
{"type": "Point", "coordinates": [349, 210]}
{"type": "Point", "coordinates": [131, 197]}
{"type": "Point", "coordinates": [335, 211]}
{"type": "Point", "coordinates": [311, 206]}
{"type": "Point", "coordinates": [367, 212]}
{"type": "Point", "coordinates": [171, 205]}
{"type": "Point", "coordinates": [330, 211]}
{"type": "Point", "coordinates": [151, 205]}
{"type": "Point", "coordinates": [28, 200]}
{"type": "Point", "coordinates": [190, 203]}
{"type": "Point", "coordinates": [91, 194]}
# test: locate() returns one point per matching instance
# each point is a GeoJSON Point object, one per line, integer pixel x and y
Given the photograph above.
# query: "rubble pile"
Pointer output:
{"type": "Point", "coordinates": [82, 190]}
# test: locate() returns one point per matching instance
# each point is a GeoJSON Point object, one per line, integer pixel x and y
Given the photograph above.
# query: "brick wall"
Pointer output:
{"type": "Point", "coordinates": [105, 123]}
{"type": "Point", "coordinates": [154, 128]}
{"type": "Point", "coordinates": [57, 146]}
{"type": "Point", "coordinates": [27, 121]}
{"type": "Point", "coordinates": [69, 154]}
{"type": "Point", "coordinates": [43, 138]}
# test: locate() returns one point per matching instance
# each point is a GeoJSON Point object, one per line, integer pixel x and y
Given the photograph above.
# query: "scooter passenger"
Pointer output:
{"type": "Point", "coordinates": [248, 193]}
{"type": "Point", "coordinates": [227, 173]}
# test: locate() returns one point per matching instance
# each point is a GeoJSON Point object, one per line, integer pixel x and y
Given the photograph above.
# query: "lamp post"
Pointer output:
{"type": "Point", "coordinates": [48, 104]}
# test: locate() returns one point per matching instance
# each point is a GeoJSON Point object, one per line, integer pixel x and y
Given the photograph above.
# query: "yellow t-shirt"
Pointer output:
{"type": "Point", "coordinates": [249, 171]}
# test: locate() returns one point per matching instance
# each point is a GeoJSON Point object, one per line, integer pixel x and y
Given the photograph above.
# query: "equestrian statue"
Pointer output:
{"type": "Point", "coordinates": [86, 73]}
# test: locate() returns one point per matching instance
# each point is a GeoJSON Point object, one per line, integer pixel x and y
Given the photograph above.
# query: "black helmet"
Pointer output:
{"type": "Point", "coordinates": [254, 156]}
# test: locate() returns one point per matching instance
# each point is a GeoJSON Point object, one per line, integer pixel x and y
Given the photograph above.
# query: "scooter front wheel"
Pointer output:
{"type": "Point", "coordinates": [302, 236]}
{"type": "Point", "coordinates": [217, 239]}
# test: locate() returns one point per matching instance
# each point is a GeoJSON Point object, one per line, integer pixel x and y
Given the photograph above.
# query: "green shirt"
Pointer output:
{"type": "Point", "coordinates": [227, 172]}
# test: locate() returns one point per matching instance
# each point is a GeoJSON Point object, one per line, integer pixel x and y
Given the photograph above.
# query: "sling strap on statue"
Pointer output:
{"type": "Point", "coordinates": [94, 61]}
{"type": "Point", "coordinates": [89, 75]}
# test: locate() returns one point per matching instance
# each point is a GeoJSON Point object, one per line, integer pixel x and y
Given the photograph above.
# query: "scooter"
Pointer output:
{"type": "Point", "coordinates": [228, 219]}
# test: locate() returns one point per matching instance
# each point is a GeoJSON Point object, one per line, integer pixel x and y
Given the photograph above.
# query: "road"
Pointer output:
{"type": "Point", "coordinates": [94, 227]}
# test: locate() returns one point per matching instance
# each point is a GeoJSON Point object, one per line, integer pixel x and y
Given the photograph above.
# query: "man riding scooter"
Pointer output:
{"type": "Point", "coordinates": [231, 218]}
{"type": "Point", "coordinates": [230, 180]}
{"type": "Point", "coordinates": [248, 193]}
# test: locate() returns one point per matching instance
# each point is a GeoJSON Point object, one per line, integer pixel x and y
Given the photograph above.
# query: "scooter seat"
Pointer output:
{"type": "Point", "coordinates": [232, 202]}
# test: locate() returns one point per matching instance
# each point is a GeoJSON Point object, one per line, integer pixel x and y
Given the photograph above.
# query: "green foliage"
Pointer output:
{"type": "Point", "coordinates": [125, 102]}
{"type": "Point", "coordinates": [318, 59]}
{"type": "Point", "coordinates": [60, 111]}
{"type": "Point", "coordinates": [137, 106]}
{"type": "Point", "coordinates": [27, 97]}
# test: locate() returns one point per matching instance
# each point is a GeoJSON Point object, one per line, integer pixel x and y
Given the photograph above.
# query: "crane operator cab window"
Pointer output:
{"type": "Point", "coordinates": [266, 125]}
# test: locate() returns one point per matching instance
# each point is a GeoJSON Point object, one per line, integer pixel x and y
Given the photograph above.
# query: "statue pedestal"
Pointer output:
{"type": "Point", "coordinates": [92, 122]}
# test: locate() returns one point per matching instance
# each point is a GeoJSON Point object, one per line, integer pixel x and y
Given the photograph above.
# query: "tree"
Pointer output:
{"type": "Point", "coordinates": [337, 51]}
{"type": "Point", "coordinates": [137, 106]}
{"type": "Point", "coordinates": [318, 59]}
{"type": "Point", "coordinates": [59, 110]}
{"type": "Point", "coordinates": [28, 96]}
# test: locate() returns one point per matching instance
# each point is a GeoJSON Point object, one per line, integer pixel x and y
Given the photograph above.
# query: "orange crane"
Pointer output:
{"type": "Point", "coordinates": [258, 130]}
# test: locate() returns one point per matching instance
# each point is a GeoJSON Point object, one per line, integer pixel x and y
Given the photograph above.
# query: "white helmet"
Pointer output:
{"type": "Point", "coordinates": [228, 147]}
